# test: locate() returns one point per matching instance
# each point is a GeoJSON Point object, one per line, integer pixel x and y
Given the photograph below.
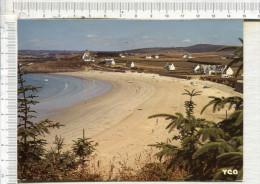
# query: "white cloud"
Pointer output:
{"type": "Point", "coordinates": [186, 40]}
{"type": "Point", "coordinates": [215, 36]}
{"type": "Point", "coordinates": [91, 36]}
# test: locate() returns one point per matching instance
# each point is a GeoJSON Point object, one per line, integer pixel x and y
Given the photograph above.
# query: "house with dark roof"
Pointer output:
{"type": "Point", "coordinates": [130, 64]}
{"type": "Point", "coordinates": [169, 67]}
{"type": "Point", "coordinates": [148, 57]}
{"type": "Point", "coordinates": [86, 56]}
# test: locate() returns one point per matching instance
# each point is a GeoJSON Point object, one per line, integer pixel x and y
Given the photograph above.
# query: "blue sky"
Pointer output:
{"type": "Point", "coordinates": [116, 35]}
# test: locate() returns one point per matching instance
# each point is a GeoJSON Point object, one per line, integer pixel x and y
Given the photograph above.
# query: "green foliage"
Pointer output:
{"type": "Point", "coordinates": [82, 148]}
{"type": "Point", "coordinates": [64, 166]}
{"type": "Point", "coordinates": [34, 161]}
{"type": "Point", "coordinates": [220, 146]}
{"type": "Point", "coordinates": [205, 147]}
{"type": "Point", "coordinates": [236, 50]}
{"type": "Point", "coordinates": [30, 141]}
{"type": "Point", "coordinates": [189, 105]}
{"type": "Point", "coordinates": [58, 164]}
{"type": "Point", "coordinates": [233, 125]}
{"type": "Point", "coordinates": [211, 133]}
{"type": "Point", "coordinates": [219, 103]}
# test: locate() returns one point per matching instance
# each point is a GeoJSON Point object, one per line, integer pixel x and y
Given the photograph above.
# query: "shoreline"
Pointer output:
{"type": "Point", "coordinates": [63, 91]}
{"type": "Point", "coordinates": [117, 121]}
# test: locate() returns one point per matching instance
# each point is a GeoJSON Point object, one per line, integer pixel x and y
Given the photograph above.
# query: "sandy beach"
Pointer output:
{"type": "Point", "coordinates": [117, 121]}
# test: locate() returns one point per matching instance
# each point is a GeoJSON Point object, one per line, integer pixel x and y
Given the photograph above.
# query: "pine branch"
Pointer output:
{"type": "Point", "coordinates": [163, 115]}
{"type": "Point", "coordinates": [227, 48]}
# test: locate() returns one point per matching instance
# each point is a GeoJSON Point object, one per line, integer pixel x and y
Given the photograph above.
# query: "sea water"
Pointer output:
{"type": "Point", "coordinates": [58, 92]}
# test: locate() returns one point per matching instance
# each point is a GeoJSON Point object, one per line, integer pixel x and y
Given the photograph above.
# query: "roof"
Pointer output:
{"type": "Point", "coordinates": [194, 66]}
{"type": "Point", "coordinates": [220, 67]}
{"type": "Point", "coordinates": [169, 64]}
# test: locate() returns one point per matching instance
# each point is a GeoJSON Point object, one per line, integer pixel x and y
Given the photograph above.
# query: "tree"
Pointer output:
{"type": "Point", "coordinates": [59, 165]}
{"type": "Point", "coordinates": [233, 125]}
{"type": "Point", "coordinates": [189, 105]}
{"type": "Point", "coordinates": [236, 50]}
{"type": "Point", "coordinates": [82, 148]}
{"type": "Point", "coordinates": [30, 141]}
{"type": "Point", "coordinates": [204, 144]}
{"type": "Point", "coordinates": [231, 147]}
{"type": "Point", "coordinates": [181, 157]}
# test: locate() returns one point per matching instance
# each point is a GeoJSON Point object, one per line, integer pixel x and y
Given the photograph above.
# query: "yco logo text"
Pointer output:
{"type": "Point", "coordinates": [230, 172]}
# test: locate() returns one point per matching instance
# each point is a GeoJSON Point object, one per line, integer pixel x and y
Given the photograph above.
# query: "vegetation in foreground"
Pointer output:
{"type": "Point", "coordinates": [207, 148]}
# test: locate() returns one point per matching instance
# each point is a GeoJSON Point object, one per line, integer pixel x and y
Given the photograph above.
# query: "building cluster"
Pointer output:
{"type": "Point", "coordinates": [151, 57]}
{"type": "Point", "coordinates": [110, 61]}
{"type": "Point", "coordinates": [187, 56]}
{"type": "Point", "coordinates": [200, 69]}
{"type": "Point", "coordinates": [213, 70]}
{"type": "Point", "coordinates": [169, 67]}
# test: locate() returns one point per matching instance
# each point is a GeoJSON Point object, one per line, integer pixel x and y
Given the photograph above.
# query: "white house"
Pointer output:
{"type": "Point", "coordinates": [89, 58]}
{"type": "Point", "coordinates": [109, 58]}
{"type": "Point", "coordinates": [148, 57]}
{"type": "Point", "coordinates": [45, 55]}
{"type": "Point", "coordinates": [186, 56]}
{"type": "Point", "coordinates": [228, 71]}
{"type": "Point", "coordinates": [86, 56]}
{"type": "Point", "coordinates": [169, 67]}
{"type": "Point", "coordinates": [111, 62]}
{"type": "Point", "coordinates": [130, 64]}
{"type": "Point", "coordinates": [203, 68]}
{"type": "Point", "coordinates": [211, 70]}
{"type": "Point", "coordinates": [195, 68]}
{"type": "Point", "coordinates": [219, 69]}
{"type": "Point", "coordinates": [156, 56]}
{"type": "Point", "coordinates": [208, 69]}
{"type": "Point", "coordinates": [122, 55]}
{"type": "Point", "coordinates": [222, 57]}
